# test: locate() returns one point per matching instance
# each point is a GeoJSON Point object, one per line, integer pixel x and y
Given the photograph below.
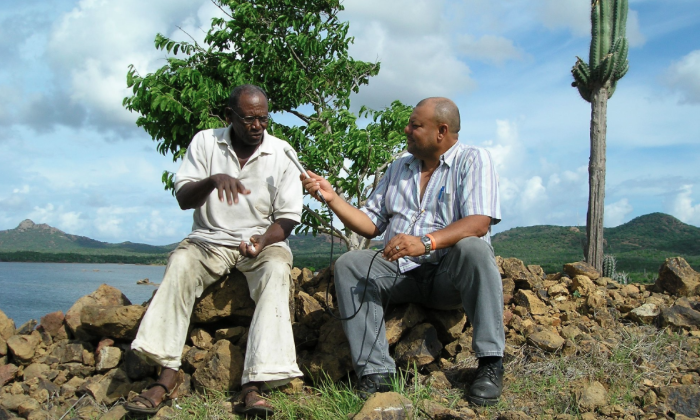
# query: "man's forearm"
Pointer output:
{"type": "Point", "coordinates": [353, 218]}
{"type": "Point", "coordinates": [278, 231]}
{"type": "Point", "coordinates": [194, 194]}
{"type": "Point", "coordinates": [476, 225]}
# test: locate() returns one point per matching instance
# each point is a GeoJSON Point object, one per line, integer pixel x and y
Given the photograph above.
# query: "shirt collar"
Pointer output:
{"type": "Point", "coordinates": [266, 147]}
{"type": "Point", "coordinates": [447, 158]}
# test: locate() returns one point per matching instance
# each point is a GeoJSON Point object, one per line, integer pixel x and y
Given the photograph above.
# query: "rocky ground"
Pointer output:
{"type": "Point", "coordinates": [579, 345]}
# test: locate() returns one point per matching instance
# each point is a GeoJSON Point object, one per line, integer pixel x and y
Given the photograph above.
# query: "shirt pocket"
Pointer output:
{"type": "Point", "coordinates": [262, 196]}
{"type": "Point", "coordinates": [444, 212]}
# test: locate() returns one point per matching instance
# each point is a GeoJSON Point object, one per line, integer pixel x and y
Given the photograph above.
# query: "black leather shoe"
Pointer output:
{"type": "Point", "coordinates": [374, 382]}
{"type": "Point", "coordinates": [487, 385]}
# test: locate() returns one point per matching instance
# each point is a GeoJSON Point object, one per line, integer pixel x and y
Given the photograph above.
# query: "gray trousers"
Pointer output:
{"type": "Point", "coordinates": [466, 277]}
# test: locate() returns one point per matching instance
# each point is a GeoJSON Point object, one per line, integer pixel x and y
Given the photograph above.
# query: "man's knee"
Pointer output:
{"type": "Point", "coordinates": [473, 247]}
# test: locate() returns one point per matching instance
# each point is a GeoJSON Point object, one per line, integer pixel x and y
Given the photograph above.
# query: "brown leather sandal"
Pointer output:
{"type": "Point", "coordinates": [147, 404]}
{"type": "Point", "coordinates": [255, 409]}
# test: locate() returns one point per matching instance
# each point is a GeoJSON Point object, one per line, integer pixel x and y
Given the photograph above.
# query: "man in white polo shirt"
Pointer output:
{"type": "Point", "coordinates": [247, 199]}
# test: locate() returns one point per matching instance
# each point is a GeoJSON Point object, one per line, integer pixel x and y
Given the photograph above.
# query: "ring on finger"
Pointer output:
{"type": "Point", "coordinates": [398, 248]}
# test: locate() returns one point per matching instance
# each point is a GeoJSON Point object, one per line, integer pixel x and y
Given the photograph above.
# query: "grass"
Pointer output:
{"type": "Point", "coordinates": [538, 383]}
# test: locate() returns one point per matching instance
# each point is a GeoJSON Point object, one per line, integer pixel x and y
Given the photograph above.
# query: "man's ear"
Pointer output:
{"type": "Point", "coordinates": [228, 114]}
{"type": "Point", "coordinates": [443, 130]}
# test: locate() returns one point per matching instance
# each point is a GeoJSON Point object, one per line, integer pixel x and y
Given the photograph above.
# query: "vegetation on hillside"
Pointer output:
{"type": "Point", "coordinates": [639, 246]}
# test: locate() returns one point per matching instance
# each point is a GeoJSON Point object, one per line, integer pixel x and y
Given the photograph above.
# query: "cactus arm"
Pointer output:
{"type": "Point", "coordinates": [595, 36]}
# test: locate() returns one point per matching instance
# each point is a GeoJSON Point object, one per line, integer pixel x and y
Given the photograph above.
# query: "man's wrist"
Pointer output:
{"type": "Point", "coordinates": [433, 243]}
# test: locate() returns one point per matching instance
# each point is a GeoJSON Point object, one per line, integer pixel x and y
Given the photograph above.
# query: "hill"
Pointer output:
{"type": "Point", "coordinates": [640, 245]}
{"type": "Point", "coordinates": [31, 242]}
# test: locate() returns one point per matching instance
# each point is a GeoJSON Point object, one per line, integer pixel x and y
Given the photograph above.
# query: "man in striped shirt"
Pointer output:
{"type": "Point", "coordinates": [435, 207]}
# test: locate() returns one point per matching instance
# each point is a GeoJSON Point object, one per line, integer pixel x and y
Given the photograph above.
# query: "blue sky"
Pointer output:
{"type": "Point", "coordinates": [73, 157]}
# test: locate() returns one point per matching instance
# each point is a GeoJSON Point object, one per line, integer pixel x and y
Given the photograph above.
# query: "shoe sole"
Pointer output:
{"type": "Point", "coordinates": [482, 402]}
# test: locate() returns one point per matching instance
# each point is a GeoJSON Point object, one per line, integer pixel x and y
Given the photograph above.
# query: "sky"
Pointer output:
{"type": "Point", "coordinates": [72, 156]}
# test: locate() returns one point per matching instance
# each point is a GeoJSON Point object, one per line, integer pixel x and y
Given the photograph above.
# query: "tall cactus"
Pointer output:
{"type": "Point", "coordinates": [596, 82]}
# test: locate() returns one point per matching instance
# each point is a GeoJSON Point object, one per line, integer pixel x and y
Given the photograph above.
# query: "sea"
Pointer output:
{"type": "Point", "coordinates": [32, 290]}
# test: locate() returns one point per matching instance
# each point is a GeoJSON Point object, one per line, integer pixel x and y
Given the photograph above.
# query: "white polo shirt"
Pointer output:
{"type": "Point", "coordinates": [271, 177]}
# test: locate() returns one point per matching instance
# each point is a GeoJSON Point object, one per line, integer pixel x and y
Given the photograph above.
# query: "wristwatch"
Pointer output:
{"type": "Point", "coordinates": [428, 244]}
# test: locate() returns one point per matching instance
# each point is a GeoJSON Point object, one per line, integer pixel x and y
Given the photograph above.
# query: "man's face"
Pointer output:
{"type": "Point", "coordinates": [249, 105]}
{"type": "Point", "coordinates": [421, 132]}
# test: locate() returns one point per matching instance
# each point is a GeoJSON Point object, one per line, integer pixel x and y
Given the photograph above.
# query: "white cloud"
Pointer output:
{"type": "Point", "coordinates": [682, 206]}
{"type": "Point", "coordinates": [634, 33]}
{"type": "Point", "coordinates": [574, 15]}
{"type": "Point", "coordinates": [412, 67]}
{"type": "Point", "coordinates": [71, 221]}
{"type": "Point", "coordinates": [415, 17]}
{"type": "Point", "coordinates": [155, 226]}
{"type": "Point", "coordinates": [616, 213]}
{"type": "Point", "coordinates": [23, 190]}
{"type": "Point", "coordinates": [683, 76]}
{"type": "Point", "coordinates": [489, 48]}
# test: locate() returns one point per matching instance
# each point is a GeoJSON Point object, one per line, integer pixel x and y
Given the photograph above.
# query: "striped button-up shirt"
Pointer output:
{"type": "Point", "coordinates": [465, 183]}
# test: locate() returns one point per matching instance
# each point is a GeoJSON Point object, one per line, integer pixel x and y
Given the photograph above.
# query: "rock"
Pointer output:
{"type": "Point", "coordinates": [684, 399]}
{"type": "Point", "coordinates": [36, 370]}
{"type": "Point", "coordinates": [105, 295]}
{"type": "Point", "coordinates": [27, 327]}
{"type": "Point", "coordinates": [307, 279]}
{"type": "Point", "coordinates": [6, 415]}
{"type": "Point", "coordinates": [581, 268]}
{"type": "Point", "coordinates": [107, 358]}
{"type": "Point", "coordinates": [331, 358]}
{"type": "Point", "coordinates": [232, 334]}
{"type": "Point", "coordinates": [401, 319]}
{"type": "Point", "coordinates": [54, 324]}
{"type": "Point", "coordinates": [438, 412]}
{"type": "Point", "coordinates": [3, 347]}
{"type": "Point", "coordinates": [385, 406]}
{"type": "Point", "coordinates": [7, 326]}
{"type": "Point", "coordinates": [118, 322]}
{"type": "Point", "coordinates": [420, 347]}
{"type": "Point", "coordinates": [448, 323]}
{"type": "Point", "coordinates": [508, 290]}
{"type": "Point", "coordinates": [23, 347]}
{"type": "Point", "coordinates": [583, 285]}
{"type": "Point", "coordinates": [592, 396]}
{"type": "Point", "coordinates": [227, 298]}
{"type": "Point", "coordinates": [117, 412]}
{"type": "Point", "coordinates": [528, 299]}
{"type": "Point", "coordinates": [109, 388]}
{"type": "Point", "coordinates": [438, 380]}
{"type": "Point", "coordinates": [308, 310]}
{"type": "Point", "coordinates": [522, 277]}
{"type": "Point", "coordinates": [514, 415]}
{"type": "Point", "coordinates": [680, 317]}
{"type": "Point", "coordinates": [557, 289]}
{"type": "Point", "coordinates": [678, 278]}
{"type": "Point", "coordinates": [645, 314]}
{"type": "Point", "coordinates": [201, 338]}
{"type": "Point", "coordinates": [221, 369]}
{"type": "Point", "coordinates": [136, 367]}
{"type": "Point", "coordinates": [546, 340]}
{"type": "Point", "coordinates": [7, 373]}
{"type": "Point", "coordinates": [193, 359]}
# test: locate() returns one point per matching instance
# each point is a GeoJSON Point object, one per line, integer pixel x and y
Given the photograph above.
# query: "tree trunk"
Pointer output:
{"type": "Point", "coordinates": [596, 178]}
{"type": "Point", "coordinates": [355, 242]}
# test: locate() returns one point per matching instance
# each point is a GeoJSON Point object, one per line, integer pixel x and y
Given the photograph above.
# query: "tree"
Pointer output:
{"type": "Point", "coordinates": [297, 50]}
{"type": "Point", "coordinates": [596, 82]}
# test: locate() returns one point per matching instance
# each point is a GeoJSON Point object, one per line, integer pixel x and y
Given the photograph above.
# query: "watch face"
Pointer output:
{"type": "Point", "coordinates": [427, 243]}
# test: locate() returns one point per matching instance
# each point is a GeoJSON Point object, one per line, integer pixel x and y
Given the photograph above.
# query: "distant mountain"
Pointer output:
{"type": "Point", "coordinates": [640, 246]}
{"type": "Point", "coordinates": [32, 237]}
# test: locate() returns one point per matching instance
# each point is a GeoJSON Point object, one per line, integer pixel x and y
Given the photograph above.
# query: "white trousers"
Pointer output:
{"type": "Point", "coordinates": [193, 266]}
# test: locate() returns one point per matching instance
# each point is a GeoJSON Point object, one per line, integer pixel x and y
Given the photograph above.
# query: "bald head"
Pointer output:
{"type": "Point", "coordinates": [444, 112]}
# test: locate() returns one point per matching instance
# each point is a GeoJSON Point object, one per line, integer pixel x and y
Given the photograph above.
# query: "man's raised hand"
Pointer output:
{"type": "Point", "coordinates": [230, 186]}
